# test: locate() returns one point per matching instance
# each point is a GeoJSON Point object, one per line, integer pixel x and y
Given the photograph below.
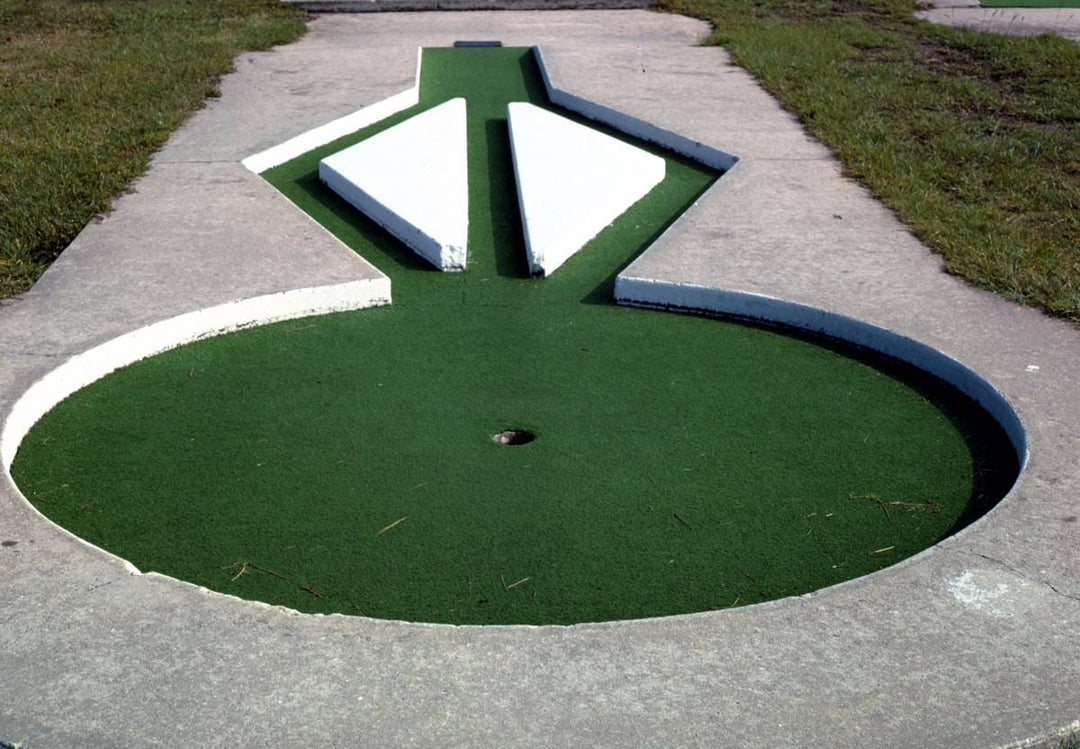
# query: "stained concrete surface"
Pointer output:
{"type": "Point", "coordinates": [1019, 21]}
{"type": "Point", "coordinates": [388, 6]}
{"type": "Point", "coordinates": [972, 643]}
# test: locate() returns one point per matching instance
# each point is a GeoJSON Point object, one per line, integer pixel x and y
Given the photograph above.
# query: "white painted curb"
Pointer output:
{"type": "Point", "coordinates": [707, 155]}
{"type": "Point", "coordinates": [90, 366]}
{"type": "Point", "coordinates": [350, 123]}
{"type": "Point", "coordinates": [646, 292]}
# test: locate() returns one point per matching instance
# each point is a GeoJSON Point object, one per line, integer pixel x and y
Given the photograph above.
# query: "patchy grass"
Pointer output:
{"type": "Point", "coordinates": [972, 138]}
{"type": "Point", "coordinates": [88, 90]}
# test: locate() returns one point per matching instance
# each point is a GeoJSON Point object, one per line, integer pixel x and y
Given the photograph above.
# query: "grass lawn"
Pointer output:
{"type": "Point", "coordinates": [346, 463]}
{"type": "Point", "coordinates": [88, 90]}
{"type": "Point", "coordinates": [972, 138]}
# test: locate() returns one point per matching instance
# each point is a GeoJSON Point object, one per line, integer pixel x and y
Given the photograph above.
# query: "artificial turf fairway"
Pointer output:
{"type": "Point", "coordinates": [344, 463]}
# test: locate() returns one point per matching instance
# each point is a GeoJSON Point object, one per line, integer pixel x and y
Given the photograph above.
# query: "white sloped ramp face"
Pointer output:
{"type": "Point", "coordinates": [572, 182]}
{"type": "Point", "coordinates": [413, 181]}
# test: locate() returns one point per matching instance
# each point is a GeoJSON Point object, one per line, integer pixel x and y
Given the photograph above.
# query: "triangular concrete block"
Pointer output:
{"type": "Point", "coordinates": [413, 181]}
{"type": "Point", "coordinates": [572, 182]}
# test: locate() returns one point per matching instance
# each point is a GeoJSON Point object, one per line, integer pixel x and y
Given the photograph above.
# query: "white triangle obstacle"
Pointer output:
{"type": "Point", "coordinates": [412, 180]}
{"type": "Point", "coordinates": [572, 182]}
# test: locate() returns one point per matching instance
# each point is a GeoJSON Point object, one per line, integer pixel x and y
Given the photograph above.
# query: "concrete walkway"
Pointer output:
{"type": "Point", "coordinates": [972, 643]}
{"type": "Point", "coordinates": [967, 13]}
{"type": "Point", "coordinates": [1020, 21]}
{"type": "Point", "coordinates": [387, 6]}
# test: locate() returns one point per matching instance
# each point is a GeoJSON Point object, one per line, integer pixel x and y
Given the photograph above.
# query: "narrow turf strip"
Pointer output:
{"type": "Point", "coordinates": [345, 463]}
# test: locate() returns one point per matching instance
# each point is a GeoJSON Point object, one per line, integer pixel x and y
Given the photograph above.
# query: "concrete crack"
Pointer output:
{"type": "Point", "coordinates": [9, 645]}
{"type": "Point", "coordinates": [1020, 573]}
{"type": "Point", "coordinates": [39, 354]}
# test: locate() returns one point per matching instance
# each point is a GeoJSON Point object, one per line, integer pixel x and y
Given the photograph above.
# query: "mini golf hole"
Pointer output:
{"type": "Point", "coordinates": [514, 437]}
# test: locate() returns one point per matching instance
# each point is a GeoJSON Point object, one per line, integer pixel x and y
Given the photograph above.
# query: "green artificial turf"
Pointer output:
{"type": "Point", "coordinates": [345, 463]}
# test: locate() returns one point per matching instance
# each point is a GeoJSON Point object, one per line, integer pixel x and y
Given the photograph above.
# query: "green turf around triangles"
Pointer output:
{"type": "Point", "coordinates": [344, 463]}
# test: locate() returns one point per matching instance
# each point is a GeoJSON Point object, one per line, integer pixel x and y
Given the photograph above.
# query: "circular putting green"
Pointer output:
{"type": "Point", "coordinates": [500, 449]}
